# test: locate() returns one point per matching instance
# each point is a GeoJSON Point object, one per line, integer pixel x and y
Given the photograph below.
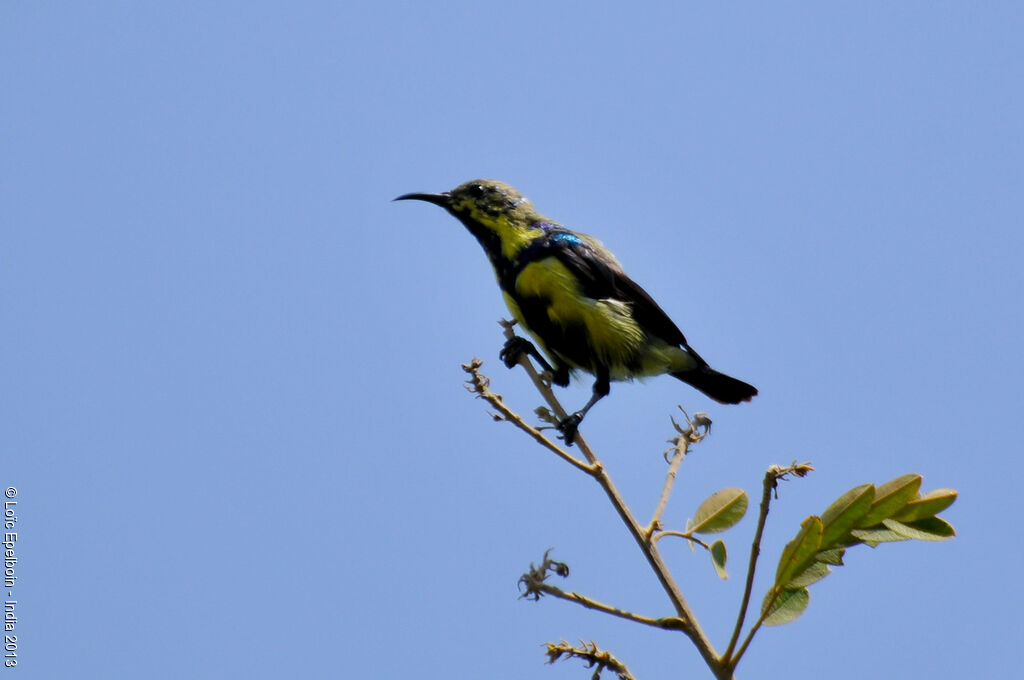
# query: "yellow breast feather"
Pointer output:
{"type": "Point", "coordinates": [613, 334]}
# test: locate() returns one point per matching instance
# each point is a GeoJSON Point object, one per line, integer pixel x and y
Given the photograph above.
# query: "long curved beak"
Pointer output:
{"type": "Point", "coordinates": [436, 199]}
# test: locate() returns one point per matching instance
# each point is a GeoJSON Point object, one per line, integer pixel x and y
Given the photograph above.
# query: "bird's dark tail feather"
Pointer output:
{"type": "Point", "coordinates": [718, 386]}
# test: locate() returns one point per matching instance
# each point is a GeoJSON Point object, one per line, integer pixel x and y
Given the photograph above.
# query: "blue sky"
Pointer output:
{"type": "Point", "coordinates": [233, 407]}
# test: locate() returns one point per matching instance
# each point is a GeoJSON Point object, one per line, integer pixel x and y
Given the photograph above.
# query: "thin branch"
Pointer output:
{"type": "Point", "coordinates": [479, 384]}
{"type": "Point", "coordinates": [665, 623]}
{"type": "Point", "coordinates": [696, 430]}
{"type": "Point", "coordinates": [593, 655]}
{"type": "Point", "coordinates": [750, 635]}
{"type": "Point", "coordinates": [534, 583]}
{"type": "Point", "coordinates": [544, 387]}
{"type": "Point", "coordinates": [681, 534]}
{"type": "Point", "coordinates": [770, 484]}
{"type": "Point", "coordinates": [679, 452]}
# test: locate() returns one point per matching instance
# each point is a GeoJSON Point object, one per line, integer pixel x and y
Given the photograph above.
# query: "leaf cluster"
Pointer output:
{"type": "Point", "coordinates": [866, 514]}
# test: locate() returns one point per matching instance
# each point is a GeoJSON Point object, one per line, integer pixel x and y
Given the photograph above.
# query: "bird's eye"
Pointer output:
{"type": "Point", "coordinates": [476, 191]}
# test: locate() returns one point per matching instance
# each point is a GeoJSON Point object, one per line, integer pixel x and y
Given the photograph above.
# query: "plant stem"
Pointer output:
{"type": "Point", "coordinates": [770, 481]}
{"type": "Point", "coordinates": [681, 534]}
{"type": "Point", "coordinates": [682, 443]}
{"type": "Point", "coordinates": [480, 384]}
{"type": "Point", "coordinates": [578, 598]}
{"type": "Point", "coordinates": [650, 551]}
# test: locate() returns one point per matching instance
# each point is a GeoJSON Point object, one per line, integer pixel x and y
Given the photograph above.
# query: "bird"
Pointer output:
{"type": "Point", "coordinates": [573, 297]}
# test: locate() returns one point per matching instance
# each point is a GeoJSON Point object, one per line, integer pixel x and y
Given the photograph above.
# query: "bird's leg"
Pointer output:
{"type": "Point", "coordinates": [571, 423]}
{"type": "Point", "coordinates": [517, 346]}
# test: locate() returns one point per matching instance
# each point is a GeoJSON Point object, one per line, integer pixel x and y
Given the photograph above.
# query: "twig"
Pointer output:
{"type": "Point", "coordinates": [681, 534]}
{"type": "Point", "coordinates": [479, 384]}
{"type": "Point", "coordinates": [755, 550]}
{"type": "Point", "coordinates": [665, 623]}
{"type": "Point", "coordinates": [680, 447]}
{"type": "Point", "coordinates": [771, 482]}
{"type": "Point", "coordinates": [592, 655]}
{"type": "Point", "coordinates": [681, 444]}
{"type": "Point", "coordinates": [688, 622]}
{"type": "Point", "coordinates": [544, 387]}
{"type": "Point", "coordinates": [535, 583]}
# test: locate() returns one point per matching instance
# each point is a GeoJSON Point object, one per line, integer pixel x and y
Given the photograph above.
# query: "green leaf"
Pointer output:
{"type": "Point", "coordinates": [720, 511]}
{"type": "Point", "coordinates": [929, 505]}
{"type": "Point", "coordinates": [788, 606]}
{"type": "Point", "coordinates": [840, 517]}
{"type": "Point", "coordinates": [718, 557]}
{"type": "Point", "coordinates": [876, 535]}
{"type": "Point", "coordinates": [890, 499]}
{"type": "Point", "coordinates": [927, 529]}
{"type": "Point", "coordinates": [833, 556]}
{"type": "Point", "coordinates": [812, 574]}
{"type": "Point", "coordinates": [799, 553]}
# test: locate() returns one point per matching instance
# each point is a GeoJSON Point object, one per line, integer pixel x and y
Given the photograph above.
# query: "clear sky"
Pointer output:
{"type": "Point", "coordinates": [232, 403]}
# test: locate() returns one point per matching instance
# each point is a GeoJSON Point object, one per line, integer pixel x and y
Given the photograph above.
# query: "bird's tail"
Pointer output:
{"type": "Point", "coordinates": [720, 387]}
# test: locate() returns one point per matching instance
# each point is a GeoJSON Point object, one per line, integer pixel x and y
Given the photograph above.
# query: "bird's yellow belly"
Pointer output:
{"type": "Point", "coordinates": [606, 326]}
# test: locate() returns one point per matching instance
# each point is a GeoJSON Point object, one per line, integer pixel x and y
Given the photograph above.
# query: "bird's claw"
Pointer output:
{"type": "Point", "coordinates": [515, 347]}
{"type": "Point", "coordinates": [569, 425]}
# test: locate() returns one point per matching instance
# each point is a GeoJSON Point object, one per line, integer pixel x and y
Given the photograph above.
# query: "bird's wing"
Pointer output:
{"type": "Point", "coordinates": [602, 277]}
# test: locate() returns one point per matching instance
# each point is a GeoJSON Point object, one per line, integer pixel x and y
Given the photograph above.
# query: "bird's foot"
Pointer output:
{"type": "Point", "coordinates": [569, 425]}
{"type": "Point", "coordinates": [514, 349]}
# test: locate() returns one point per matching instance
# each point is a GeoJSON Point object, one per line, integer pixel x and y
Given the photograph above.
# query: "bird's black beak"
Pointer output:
{"type": "Point", "coordinates": [436, 199]}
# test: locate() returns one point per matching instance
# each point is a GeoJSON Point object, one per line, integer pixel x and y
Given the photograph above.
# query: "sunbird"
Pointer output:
{"type": "Point", "coordinates": [571, 294]}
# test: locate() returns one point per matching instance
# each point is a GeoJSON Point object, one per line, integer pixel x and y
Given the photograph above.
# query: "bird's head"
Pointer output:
{"type": "Point", "coordinates": [501, 218]}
